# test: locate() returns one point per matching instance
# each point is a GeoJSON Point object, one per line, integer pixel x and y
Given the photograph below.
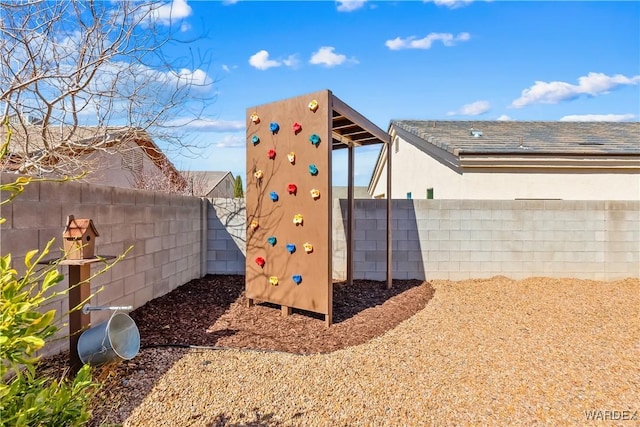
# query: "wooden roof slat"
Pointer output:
{"type": "Point", "coordinates": [352, 128]}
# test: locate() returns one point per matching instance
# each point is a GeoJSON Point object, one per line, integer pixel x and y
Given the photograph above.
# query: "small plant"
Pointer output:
{"type": "Point", "coordinates": [27, 399]}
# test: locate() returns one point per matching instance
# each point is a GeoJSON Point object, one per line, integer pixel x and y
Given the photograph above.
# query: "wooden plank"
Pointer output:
{"type": "Point", "coordinates": [79, 291]}
{"type": "Point", "coordinates": [275, 218]}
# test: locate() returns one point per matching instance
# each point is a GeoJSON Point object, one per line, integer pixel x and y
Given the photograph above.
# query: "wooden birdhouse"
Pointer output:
{"type": "Point", "coordinates": [79, 238]}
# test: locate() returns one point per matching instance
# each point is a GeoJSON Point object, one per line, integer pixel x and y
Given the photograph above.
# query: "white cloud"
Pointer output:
{"type": "Point", "coordinates": [593, 84]}
{"type": "Point", "coordinates": [261, 61]}
{"type": "Point", "coordinates": [475, 108]}
{"type": "Point", "coordinates": [209, 125]}
{"type": "Point", "coordinates": [291, 61]}
{"type": "Point", "coordinates": [598, 118]}
{"type": "Point", "coordinates": [447, 39]}
{"type": "Point", "coordinates": [350, 5]}
{"type": "Point", "coordinates": [504, 118]}
{"type": "Point", "coordinates": [231, 141]}
{"type": "Point", "coordinates": [451, 4]}
{"type": "Point", "coordinates": [327, 57]}
{"type": "Point", "coordinates": [168, 12]}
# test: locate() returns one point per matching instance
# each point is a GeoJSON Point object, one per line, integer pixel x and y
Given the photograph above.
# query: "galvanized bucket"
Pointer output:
{"type": "Point", "coordinates": [114, 340]}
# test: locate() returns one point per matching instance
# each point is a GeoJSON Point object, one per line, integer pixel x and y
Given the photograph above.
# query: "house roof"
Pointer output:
{"type": "Point", "coordinates": [516, 137]}
{"type": "Point", "coordinates": [77, 227]}
{"type": "Point", "coordinates": [80, 142]}
{"type": "Point", "coordinates": [507, 145]}
{"type": "Point", "coordinates": [206, 180]}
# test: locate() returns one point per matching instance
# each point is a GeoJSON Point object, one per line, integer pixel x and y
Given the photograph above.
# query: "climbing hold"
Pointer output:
{"type": "Point", "coordinates": [258, 174]}
{"type": "Point", "coordinates": [297, 219]}
{"type": "Point", "coordinates": [292, 157]}
{"type": "Point", "coordinates": [313, 169]}
{"type": "Point", "coordinates": [254, 224]}
{"type": "Point", "coordinates": [255, 139]}
{"type": "Point", "coordinates": [254, 118]}
{"type": "Point", "coordinates": [271, 154]}
{"type": "Point", "coordinates": [297, 127]}
{"type": "Point", "coordinates": [274, 127]}
{"type": "Point", "coordinates": [308, 248]}
{"type": "Point", "coordinates": [297, 279]}
{"type": "Point", "coordinates": [272, 240]}
{"type": "Point", "coordinates": [291, 248]}
{"type": "Point", "coordinates": [315, 139]}
{"type": "Point", "coordinates": [260, 261]}
{"type": "Point", "coordinates": [315, 194]}
{"type": "Point", "coordinates": [273, 280]}
{"type": "Point", "coordinates": [313, 105]}
{"type": "Point", "coordinates": [274, 196]}
{"type": "Point", "coordinates": [292, 189]}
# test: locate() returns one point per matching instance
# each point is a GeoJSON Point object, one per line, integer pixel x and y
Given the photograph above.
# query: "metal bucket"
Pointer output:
{"type": "Point", "coordinates": [114, 340]}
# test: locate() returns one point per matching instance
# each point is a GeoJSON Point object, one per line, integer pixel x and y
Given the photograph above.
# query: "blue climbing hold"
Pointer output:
{"type": "Point", "coordinates": [255, 139]}
{"type": "Point", "coordinates": [315, 139]}
{"type": "Point", "coordinates": [274, 127]}
{"type": "Point", "coordinates": [297, 278]}
{"type": "Point", "coordinates": [272, 240]}
{"type": "Point", "coordinates": [291, 248]}
{"type": "Point", "coordinates": [274, 196]}
{"type": "Point", "coordinates": [313, 169]}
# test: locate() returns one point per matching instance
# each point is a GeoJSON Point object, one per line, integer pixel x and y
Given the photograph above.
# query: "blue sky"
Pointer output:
{"type": "Point", "coordinates": [446, 60]}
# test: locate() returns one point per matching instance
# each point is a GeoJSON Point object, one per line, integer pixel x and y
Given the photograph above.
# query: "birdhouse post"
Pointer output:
{"type": "Point", "coordinates": [79, 238]}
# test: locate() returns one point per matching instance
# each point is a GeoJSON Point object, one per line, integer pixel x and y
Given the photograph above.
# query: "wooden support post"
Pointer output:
{"type": "Point", "coordinates": [250, 302]}
{"type": "Point", "coordinates": [79, 291]}
{"type": "Point", "coordinates": [350, 219]}
{"type": "Point", "coordinates": [286, 311]}
{"type": "Point", "coordinates": [389, 224]}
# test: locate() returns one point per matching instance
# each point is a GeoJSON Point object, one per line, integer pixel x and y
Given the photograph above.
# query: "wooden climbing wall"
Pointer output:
{"type": "Point", "coordinates": [304, 131]}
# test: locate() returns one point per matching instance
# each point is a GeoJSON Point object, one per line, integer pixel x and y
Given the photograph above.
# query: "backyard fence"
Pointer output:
{"type": "Point", "coordinates": [178, 238]}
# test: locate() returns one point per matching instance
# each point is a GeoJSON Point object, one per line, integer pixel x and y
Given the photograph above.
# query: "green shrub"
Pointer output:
{"type": "Point", "coordinates": [27, 399]}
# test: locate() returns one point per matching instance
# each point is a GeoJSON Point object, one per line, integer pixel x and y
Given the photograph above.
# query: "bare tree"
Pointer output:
{"type": "Point", "coordinates": [73, 73]}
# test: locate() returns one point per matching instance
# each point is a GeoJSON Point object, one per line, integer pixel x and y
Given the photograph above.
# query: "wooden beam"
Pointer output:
{"type": "Point", "coordinates": [389, 224]}
{"type": "Point", "coordinates": [350, 219]}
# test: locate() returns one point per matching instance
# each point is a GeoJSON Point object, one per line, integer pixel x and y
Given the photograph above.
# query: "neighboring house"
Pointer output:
{"type": "Point", "coordinates": [341, 192]}
{"type": "Point", "coordinates": [210, 183]}
{"type": "Point", "coordinates": [511, 160]}
{"type": "Point", "coordinates": [117, 156]}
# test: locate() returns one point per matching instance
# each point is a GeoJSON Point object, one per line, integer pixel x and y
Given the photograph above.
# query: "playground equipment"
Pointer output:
{"type": "Point", "coordinates": [308, 128]}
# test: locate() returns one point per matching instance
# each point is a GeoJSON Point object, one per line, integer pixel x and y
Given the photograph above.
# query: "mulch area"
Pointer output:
{"type": "Point", "coordinates": [213, 311]}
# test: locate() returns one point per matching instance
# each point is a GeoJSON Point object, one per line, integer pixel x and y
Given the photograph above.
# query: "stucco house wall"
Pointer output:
{"type": "Point", "coordinates": [414, 172]}
{"type": "Point", "coordinates": [511, 160]}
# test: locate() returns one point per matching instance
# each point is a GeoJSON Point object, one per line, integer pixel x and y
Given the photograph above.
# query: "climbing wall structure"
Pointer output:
{"type": "Point", "coordinates": [288, 202]}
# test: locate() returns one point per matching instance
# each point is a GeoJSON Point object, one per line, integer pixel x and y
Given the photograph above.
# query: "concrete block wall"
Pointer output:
{"type": "Point", "coordinates": [460, 239]}
{"type": "Point", "coordinates": [226, 236]}
{"type": "Point", "coordinates": [165, 231]}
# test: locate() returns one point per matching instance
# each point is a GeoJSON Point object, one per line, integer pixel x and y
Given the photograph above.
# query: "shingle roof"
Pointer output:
{"type": "Point", "coordinates": [206, 180]}
{"type": "Point", "coordinates": [516, 137]}
{"type": "Point", "coordinates": [76, 227]}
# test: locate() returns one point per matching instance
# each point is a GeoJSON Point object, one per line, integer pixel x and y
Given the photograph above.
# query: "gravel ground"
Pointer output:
{"type": "Point", "coordinates": [483, 352]}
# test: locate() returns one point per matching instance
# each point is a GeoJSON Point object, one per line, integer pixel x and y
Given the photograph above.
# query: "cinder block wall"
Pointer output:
{"type": "Point", "coordinates": [460, 239]}
{"type": "Point", "coordinates": [166, 232]}
{"type": "Point", "coordinates": [226, 236]}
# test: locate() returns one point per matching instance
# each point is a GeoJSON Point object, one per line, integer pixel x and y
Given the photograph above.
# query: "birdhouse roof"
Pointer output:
{"type": "Point", "coordinates": [78, 227]}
